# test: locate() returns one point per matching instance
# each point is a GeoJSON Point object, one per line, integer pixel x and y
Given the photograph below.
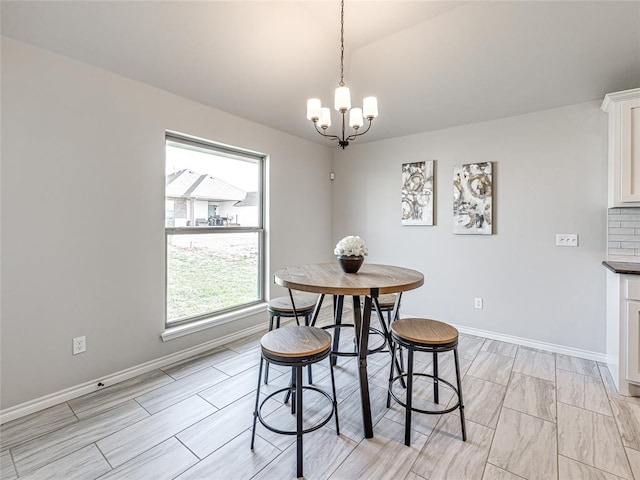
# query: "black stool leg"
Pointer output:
{"type": "Point", "coordinates": [435, 377]}
{"type": "Point", "coordinates": [294, 383]}
{"type": "Point", "coordinates": [307, 319]}
{"type": "Point", "coordinates": [400, 359]}
{"type": "Point", "coordinates": [307, 322]}
{"type": "Point", "coordinates": [299, 420]}
{"type": "Point", "coordinates": [464, 430]}
{"type": "Point", "coordinates": [266, 368]}
{"type": "Point", "coordinates": [387, 335]}
{"type": "Point", "coordinates": [335, 397]}
{"type": "Point", "coordinates": [391, 372]}
{"type": "Point", "coordinates": [407, 420]}
{"type": "Point", "coordinates": [396, 308]}
{"type": "Point", "coordinates": [255, 410]}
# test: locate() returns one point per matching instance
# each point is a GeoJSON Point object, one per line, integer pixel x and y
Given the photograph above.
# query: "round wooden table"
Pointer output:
{"type": "Point", "coordinates": [371, 280]}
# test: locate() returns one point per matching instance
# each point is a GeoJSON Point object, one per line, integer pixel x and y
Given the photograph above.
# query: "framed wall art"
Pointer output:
{"type": "Point", "coordinates": [417, 193]}
{"type": "Point", "coordinates": [473, 199]}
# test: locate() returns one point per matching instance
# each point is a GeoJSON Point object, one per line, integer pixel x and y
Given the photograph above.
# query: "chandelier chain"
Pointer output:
{"type": "Point", "coordinates": [342, 43]}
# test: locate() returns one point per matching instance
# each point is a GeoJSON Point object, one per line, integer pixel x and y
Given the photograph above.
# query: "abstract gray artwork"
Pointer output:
{"type": "Point", "coordinates": [472, 198]}
{"type": "Point", "coordinates": [417, 193]}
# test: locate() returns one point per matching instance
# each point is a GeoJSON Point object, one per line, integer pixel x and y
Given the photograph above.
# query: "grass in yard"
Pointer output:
{"type": "Point", "coordinates": [208, 273]}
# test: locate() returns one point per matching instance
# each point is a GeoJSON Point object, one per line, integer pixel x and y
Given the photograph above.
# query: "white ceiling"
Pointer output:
{"type": "Point", "coordinates": [431, 64]}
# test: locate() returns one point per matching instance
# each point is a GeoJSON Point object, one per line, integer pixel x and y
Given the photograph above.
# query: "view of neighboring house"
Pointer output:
{"type": "Point", "coordinates": [194, 199]}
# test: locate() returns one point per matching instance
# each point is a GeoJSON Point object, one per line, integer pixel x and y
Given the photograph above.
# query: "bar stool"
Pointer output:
{"type": "Point", "coordinates": [296, 347]}
{"type": "Point", "coordinates": [431, 336]}
{"type": "Point", "coordinates": [386, 303]}
{"type": "Point", "coordinates": [281, 307]}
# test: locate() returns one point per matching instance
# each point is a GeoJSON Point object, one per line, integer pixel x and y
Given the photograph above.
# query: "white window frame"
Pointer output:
{"type": "Point", "coordinates": [187, 325]}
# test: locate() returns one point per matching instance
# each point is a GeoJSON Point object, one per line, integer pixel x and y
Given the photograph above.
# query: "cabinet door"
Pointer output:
{"type": "Point", "coordinates": [630, 150]}
{"type": "Point", "coordinates": [633, 341]}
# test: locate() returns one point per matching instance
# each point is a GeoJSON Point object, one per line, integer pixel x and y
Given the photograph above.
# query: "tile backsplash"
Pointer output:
{"type": "Point", "coordinates": [623, 234]}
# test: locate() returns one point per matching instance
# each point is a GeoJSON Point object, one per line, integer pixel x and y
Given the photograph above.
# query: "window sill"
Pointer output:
{"type": "Point", "coordinates": [181, 330]}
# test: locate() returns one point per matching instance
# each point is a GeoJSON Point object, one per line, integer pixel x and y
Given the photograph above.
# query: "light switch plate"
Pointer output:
{"type": "Point", "coordinates": [566, 240]}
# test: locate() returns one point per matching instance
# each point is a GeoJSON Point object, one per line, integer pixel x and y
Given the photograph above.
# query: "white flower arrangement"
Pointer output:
{"type": "Point", "coordinates": [351, 246]}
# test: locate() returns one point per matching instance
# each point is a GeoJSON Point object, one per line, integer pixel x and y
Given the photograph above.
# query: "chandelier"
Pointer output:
{"type": "Point", "coordinates": [322, 115]}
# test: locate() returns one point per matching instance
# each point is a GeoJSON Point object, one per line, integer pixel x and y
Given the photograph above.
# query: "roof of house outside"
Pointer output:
{"type": "Point", "coordinates": [189, 184]}
{"type": "Point", "coordinates": [251, 200]}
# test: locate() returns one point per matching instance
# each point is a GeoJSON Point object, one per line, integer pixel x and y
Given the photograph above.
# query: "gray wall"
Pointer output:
{"type": "Point", "coordinates": [549, 177]}
{"type": "Point", "coordinates": [80, 146]}
{"type": "Point", "coordinates": [82, 217]}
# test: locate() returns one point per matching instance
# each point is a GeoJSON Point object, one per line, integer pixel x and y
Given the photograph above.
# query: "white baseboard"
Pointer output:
{"type": "Point", "coordinates": [47, 401]}
{"type": "Point", "coordinates": [67, 394]}
{"type": "Point", "coordinates": [525, 342]}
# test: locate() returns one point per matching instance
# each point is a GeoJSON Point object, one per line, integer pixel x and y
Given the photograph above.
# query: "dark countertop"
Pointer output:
{"type": "Point", "coordinates": [626, 268]}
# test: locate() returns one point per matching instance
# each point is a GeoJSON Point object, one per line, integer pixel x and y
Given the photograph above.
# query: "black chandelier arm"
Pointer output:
{"type": "Point", "coordinates": [343, 141]}
{"type": "Point", "coordinates": [355, 135]}
{"type": "Point", "coordinates": [331, 137]}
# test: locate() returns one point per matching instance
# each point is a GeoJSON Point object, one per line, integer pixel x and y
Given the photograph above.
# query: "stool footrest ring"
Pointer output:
{"type": "Point", "coordinates": [415, 409]}
{"type": "Point", "coordinates": [293, 432]}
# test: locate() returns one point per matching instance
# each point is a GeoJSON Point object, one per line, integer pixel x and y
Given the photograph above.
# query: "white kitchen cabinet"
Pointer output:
{"type": "Point", "coordinates": [633, 341]}
{"type": "Point", "coordinates": [623, 331]}
{"type": "Point", "coordinates": [623, 109]}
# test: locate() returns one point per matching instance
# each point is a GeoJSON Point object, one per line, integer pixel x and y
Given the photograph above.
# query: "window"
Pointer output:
{"type": "Point", "coordinates": [214, 229]}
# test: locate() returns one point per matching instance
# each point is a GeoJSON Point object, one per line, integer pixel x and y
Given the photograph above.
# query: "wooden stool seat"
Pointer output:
{"type": "Point", "coordinates": [424, 331]}
{"type": "Point", "coordinates": [296, 342]}
{"type": "Point", "coordinates": [387, 301]}
{"type": "Point", "coordinates": [281, 307]}
{"type": "Point", "coordinates": [283, 304]}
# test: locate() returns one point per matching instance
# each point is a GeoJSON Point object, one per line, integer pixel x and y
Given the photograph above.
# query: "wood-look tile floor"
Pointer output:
{"type": "Point", "coordinates": [530, 415]}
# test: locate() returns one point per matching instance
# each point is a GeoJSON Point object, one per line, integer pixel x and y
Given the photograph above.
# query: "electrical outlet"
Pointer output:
{"type": "Point", "coordinates": [79, 345]}
{"type": "Point", "coordinates": [566, 240]}
{"type": "Point", "coordinates": [478, 303]}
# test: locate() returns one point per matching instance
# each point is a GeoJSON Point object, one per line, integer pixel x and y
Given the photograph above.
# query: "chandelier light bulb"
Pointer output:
{"type": "Point", "coordinates": [355, 118]}
{"type": "Point", "coordinates": [343, 99]}
{"type": "Point", "coordinates": [313, 109]}
{"type": "Point", "coordinates": [370, 107]}
{"type": "Point", "coordinates": [325, 117]}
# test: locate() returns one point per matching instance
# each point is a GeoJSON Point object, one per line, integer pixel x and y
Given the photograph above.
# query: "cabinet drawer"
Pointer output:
{"type": "Point", "coordinates": [633, 289]}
